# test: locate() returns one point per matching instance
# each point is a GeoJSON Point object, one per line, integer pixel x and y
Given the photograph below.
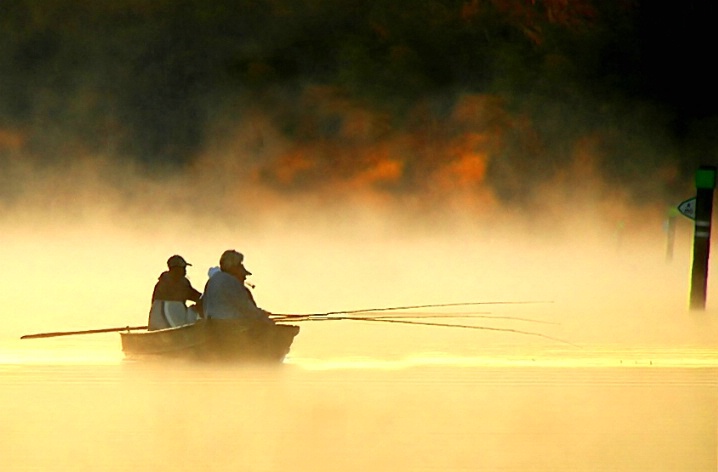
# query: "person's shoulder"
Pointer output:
{"type": "Point", "coordinates": [222, 275]}
{"type": "Point", "coordinates": [225, 279]}
{"type": "Point", "coordinates": [217, 279]}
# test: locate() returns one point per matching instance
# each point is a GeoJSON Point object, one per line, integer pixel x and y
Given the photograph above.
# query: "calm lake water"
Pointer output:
{"type": "Point", "coordinates": [597, 409]}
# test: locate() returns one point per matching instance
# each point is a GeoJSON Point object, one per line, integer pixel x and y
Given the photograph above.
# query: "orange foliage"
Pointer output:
{"type": "Point", "coordinates": [383, 169]}
{"type": "Point", "coordinates": [469, 169]}
{"type": "Point", "coordinates": [469, 10]}
{"type": "Point", "coordinates": [11, 140]}
{"type": "Point", "coordinates": [290, 166]}
{"type": "Point", "coordinates": [571, 13]}
{"type": "Point", "coordinates": [529, 16]}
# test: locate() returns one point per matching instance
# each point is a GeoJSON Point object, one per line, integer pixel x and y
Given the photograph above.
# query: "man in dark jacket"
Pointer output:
{"type": "Point", "coordinates": [171, 292]}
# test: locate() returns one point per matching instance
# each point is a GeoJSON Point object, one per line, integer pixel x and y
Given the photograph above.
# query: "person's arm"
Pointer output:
{"type": "Point", "coordinates": [195, 295]}
{"type": "Point", "coordinates": [192, 293]}
{"type": "Point", "coordinates": [259, 313]}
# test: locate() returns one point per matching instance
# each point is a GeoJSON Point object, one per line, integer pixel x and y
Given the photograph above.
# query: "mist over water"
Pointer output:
{"type": "Point", "coordinates": [625, 381]}
{"type": "Point", "coordinates": [605, 368]}
{"type": "Point", "coordinates": [597, 276]}
{"type": "Point", "coordinates": [354, 172]}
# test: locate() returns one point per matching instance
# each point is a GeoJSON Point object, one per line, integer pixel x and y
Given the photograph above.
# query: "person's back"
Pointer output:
{"type": "Point", "coordinates": [225, 295]}
{"type": "Point", "coordinates": [173, 286]}
{"type": "Point", "coordinates": [170, 293]}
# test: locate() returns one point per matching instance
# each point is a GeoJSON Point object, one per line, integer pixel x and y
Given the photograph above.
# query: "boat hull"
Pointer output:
{"type": "Point", "coordinates": [213, 340]}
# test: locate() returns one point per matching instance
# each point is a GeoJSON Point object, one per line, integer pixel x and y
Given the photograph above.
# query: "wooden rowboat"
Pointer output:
{"type": "Point", "coordinates": [212, 340]}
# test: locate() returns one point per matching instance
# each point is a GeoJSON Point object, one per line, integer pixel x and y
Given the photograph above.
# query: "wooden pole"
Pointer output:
{"type": "Point", "coordinates": [705, 183]}
{"type": "Point", "coordinates": [87, 331]}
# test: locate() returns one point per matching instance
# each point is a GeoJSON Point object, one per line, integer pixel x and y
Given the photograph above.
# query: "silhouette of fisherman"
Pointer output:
{"type": "Point", "coordinates": [227, 297]}
{"type": "Point", "coordinates": [170, 295]}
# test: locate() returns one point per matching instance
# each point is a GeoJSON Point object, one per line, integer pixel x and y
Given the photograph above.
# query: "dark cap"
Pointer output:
{"type": "Point", "coordinates": [232, 260]}
{"type": "Point", "coordinates": [177, 261]}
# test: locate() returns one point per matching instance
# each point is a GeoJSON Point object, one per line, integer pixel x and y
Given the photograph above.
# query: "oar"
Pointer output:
{"type": "Point", "coordinates": [444, 325]}
{"type": "Point", "coordinates": [89, 331]}
{"type": "Point", "coordinates": [410, 307]}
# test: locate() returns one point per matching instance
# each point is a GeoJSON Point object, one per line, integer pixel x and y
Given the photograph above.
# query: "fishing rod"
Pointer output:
{"type": "Point", "coordinates": [406, 315]}
{"type": "Point", "coordinates": [448, 315]}
{"type": "Point", "coordinates": [409, 307]}
{"type": "Point", "coordinates": [444, 325]}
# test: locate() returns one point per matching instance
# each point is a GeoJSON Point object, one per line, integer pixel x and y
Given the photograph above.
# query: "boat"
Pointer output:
{"type": "Point", "coordinates": [212, 340]}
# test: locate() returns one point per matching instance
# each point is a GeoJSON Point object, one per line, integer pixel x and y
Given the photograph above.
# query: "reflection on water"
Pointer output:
{"type": "Point", "coordinates": [599, 356]}
{"type": "Point", "coordinates": [105, 350]}
{"type": "Point", "coordinates": [600, 409]}
{"type": "Point", "coordinates": [98, 350]}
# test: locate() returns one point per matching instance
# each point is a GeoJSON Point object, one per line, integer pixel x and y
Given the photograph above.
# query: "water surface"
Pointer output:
{"type": "Point", "coordinates": [544, 409]}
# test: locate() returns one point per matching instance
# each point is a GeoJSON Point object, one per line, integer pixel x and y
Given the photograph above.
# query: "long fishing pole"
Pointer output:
{"type": "Point", "coordinates": [440, 315]}
{"type": "Point", "coordinates": [409, 307]}
{"type": "Point", "coordinates": [396, 314]}
{"type": "Point", "coordinates": [443, 325]}
{"type": "Point", "coordinates": [416, 316]}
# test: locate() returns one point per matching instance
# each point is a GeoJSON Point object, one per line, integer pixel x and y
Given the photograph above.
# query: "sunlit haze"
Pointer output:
{"type": "Point", "coordinates": [500, 176]}
{"type": "Point", "coordinates": [594, 279]}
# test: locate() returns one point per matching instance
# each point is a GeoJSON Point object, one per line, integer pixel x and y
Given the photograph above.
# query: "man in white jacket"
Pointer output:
{"type": "Point", "coordinates": [227, 297]}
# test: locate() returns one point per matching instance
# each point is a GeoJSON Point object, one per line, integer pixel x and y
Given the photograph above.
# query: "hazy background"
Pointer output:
{"type": "Point", "coordinates": [359, 153]}
{"type": "Point", "coordinates": [488, 106]}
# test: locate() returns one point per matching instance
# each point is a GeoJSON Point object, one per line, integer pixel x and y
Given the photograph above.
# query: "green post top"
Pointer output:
{"type": "Point", "coordinates": [706, 177]}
